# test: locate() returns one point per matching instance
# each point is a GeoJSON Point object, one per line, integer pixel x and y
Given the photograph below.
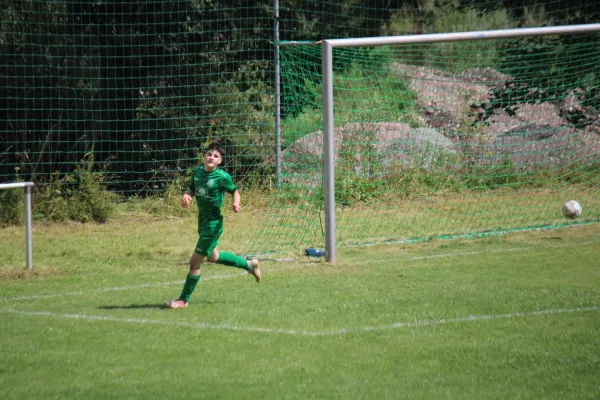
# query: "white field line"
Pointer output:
{"type": "Point", "coordinates": [337, 332]}
{"type": "Point", "coordinates": [415, 258]}
{"type": "Point", "coordinates": [116, 288]}
{"type": "Point", "coordinates": [471, 253]}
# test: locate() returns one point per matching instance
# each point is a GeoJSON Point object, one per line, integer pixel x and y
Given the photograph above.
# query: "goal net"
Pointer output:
{"type": "Point", "coordinates": [447, 139]}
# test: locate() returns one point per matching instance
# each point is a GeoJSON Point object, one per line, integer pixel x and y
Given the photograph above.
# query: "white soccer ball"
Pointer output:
{"type": "Point", "coordinates": [572, 209]}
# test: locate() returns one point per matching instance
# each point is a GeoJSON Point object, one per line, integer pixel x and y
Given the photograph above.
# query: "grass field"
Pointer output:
{"type": "Point", "coordinates": [505, 317]}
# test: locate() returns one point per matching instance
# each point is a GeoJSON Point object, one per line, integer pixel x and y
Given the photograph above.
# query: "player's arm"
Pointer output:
{"type": "Point", "coordinates": [188, 195]}
{"type": "Point", "coordinates": [229, 186]}
{"type": "Point", "coordinates": [236, 201]}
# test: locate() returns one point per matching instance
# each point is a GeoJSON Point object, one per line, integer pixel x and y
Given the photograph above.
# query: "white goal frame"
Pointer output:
{"type": "Point", "coordinates": [28, 241]}
{"type": "Point", "coordinates": [327, 95]}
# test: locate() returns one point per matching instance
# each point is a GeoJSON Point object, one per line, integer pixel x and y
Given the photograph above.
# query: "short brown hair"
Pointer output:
{"type": "Point", "coordinates": [214, 146]}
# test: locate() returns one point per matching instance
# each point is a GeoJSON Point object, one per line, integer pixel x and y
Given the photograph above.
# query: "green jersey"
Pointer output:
{"type": "Point", "coordinates": [209, 189]}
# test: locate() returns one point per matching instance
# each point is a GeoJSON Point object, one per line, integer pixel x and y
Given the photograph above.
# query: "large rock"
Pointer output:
{"type": "Point", "coordinates": [537, 135]}
{"type": "Point", "coordinates": [533, 134]}
{"type": "Point", "coordinates": [365, 148]}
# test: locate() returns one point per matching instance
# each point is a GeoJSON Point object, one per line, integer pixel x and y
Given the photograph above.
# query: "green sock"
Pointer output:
{"type": "Point", "coordinates": [230, 259]}
{"type": "Point", "coordinates": [188, 288]}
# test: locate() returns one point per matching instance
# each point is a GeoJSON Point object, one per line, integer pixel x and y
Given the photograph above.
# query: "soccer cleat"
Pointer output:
{"type": "Point", "coordinates": [177, 303]}
{"type": "Point", "coordinates": [254, 269]}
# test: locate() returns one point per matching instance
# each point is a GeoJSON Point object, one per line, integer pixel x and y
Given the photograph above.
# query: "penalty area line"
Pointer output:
{"type": "Point", "coordinates": [337, 332]}
{"type": "Point", "coordinates": [116, 288]}
{"type": "Point", "coordinates": [472, 253]}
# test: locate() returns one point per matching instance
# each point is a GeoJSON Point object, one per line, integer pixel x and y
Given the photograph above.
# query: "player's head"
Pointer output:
{"type": "Point", "coordinates": [214, 146]}
{"type": "Point", "coordinates": [213, 156]}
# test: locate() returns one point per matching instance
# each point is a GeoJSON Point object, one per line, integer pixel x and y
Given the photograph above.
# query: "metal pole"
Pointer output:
{"type": "Point", "coordinates": [329, 149]}
{"type": "Point", "coordinates": [28, 240]}
{"type": "Point", "coordinates": [463, 36]}
{"type": "Point", "coordinates": [15, 185]}
{"type": "Point", "coordinates": [291, 43]}
{"type": "Point", "coordinates": [277, 95]}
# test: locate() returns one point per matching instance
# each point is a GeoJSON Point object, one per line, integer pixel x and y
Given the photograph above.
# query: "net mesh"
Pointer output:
{"type": "Point", "coordinates": [432, 140]}
{"type": "Point", "coordinates": [441, 140]}
{"type": "Point", "coordinates": [135, 87]}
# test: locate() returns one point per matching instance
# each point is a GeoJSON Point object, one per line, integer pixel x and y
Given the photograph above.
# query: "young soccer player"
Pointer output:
{"type": "Point", "coordinates": [209, 184]}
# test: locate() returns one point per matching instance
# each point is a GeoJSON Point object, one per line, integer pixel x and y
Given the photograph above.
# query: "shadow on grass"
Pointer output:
{"type": "Point", "coordinates": [133, 306]}
{"type": "Point", "coordinates": [156, 306]}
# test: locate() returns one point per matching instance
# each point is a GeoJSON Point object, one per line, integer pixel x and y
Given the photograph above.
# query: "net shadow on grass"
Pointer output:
{"type": "Point", "coordinates": [133, 306]}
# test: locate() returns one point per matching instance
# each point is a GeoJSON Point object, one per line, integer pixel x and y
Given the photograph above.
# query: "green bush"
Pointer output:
{"type": "Point", "coordinates": [12, 203]}
{"type": "Point", "coordinates": [81, 196]}
{"type": "Point", "coordinates": [167, 203]}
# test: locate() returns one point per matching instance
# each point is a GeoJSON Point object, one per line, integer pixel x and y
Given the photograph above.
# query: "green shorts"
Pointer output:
{"type": "Point", "coordinates": [209, 232]}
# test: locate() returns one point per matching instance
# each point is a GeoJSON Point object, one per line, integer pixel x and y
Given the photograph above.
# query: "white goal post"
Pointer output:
{"type": "Point", "coordinates": [27, 186]}
{"type": "Point", "coordinates": [327, 95]}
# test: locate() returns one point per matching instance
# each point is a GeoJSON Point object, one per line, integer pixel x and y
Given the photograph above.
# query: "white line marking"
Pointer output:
{"type": "Point", "coordinates": [471, 253]}
{"type": "Point", "coordinates": [415, 258]}
{"type": "Point", "coordinates": [472, 318]}
{"type": "Point", "coordinates": [117, 288]}
{"type": "Point", "coordinates": [338, 332]}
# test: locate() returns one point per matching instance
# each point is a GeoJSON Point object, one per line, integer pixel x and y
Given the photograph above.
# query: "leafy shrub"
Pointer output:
{"type": "Point", "coordinates": [81, 196]}
{"type": "Point", "coordinates": [12, 204]}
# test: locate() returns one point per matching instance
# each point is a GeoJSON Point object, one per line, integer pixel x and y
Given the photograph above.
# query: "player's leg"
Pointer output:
{"type": "Point", "coordinates": [233, 260]}
{"type": "Point", "coordinates": [191, 281]}
{"type": "Point", "coordinates": [223, 257]}
{"type": "Point", "coordinates": [203, 248]}
{"type": "Point", "coordinates": [193, 277]}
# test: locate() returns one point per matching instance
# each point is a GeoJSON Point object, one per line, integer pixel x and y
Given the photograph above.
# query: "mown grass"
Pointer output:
{"type": "Point", "coordinates": [512, 316]}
